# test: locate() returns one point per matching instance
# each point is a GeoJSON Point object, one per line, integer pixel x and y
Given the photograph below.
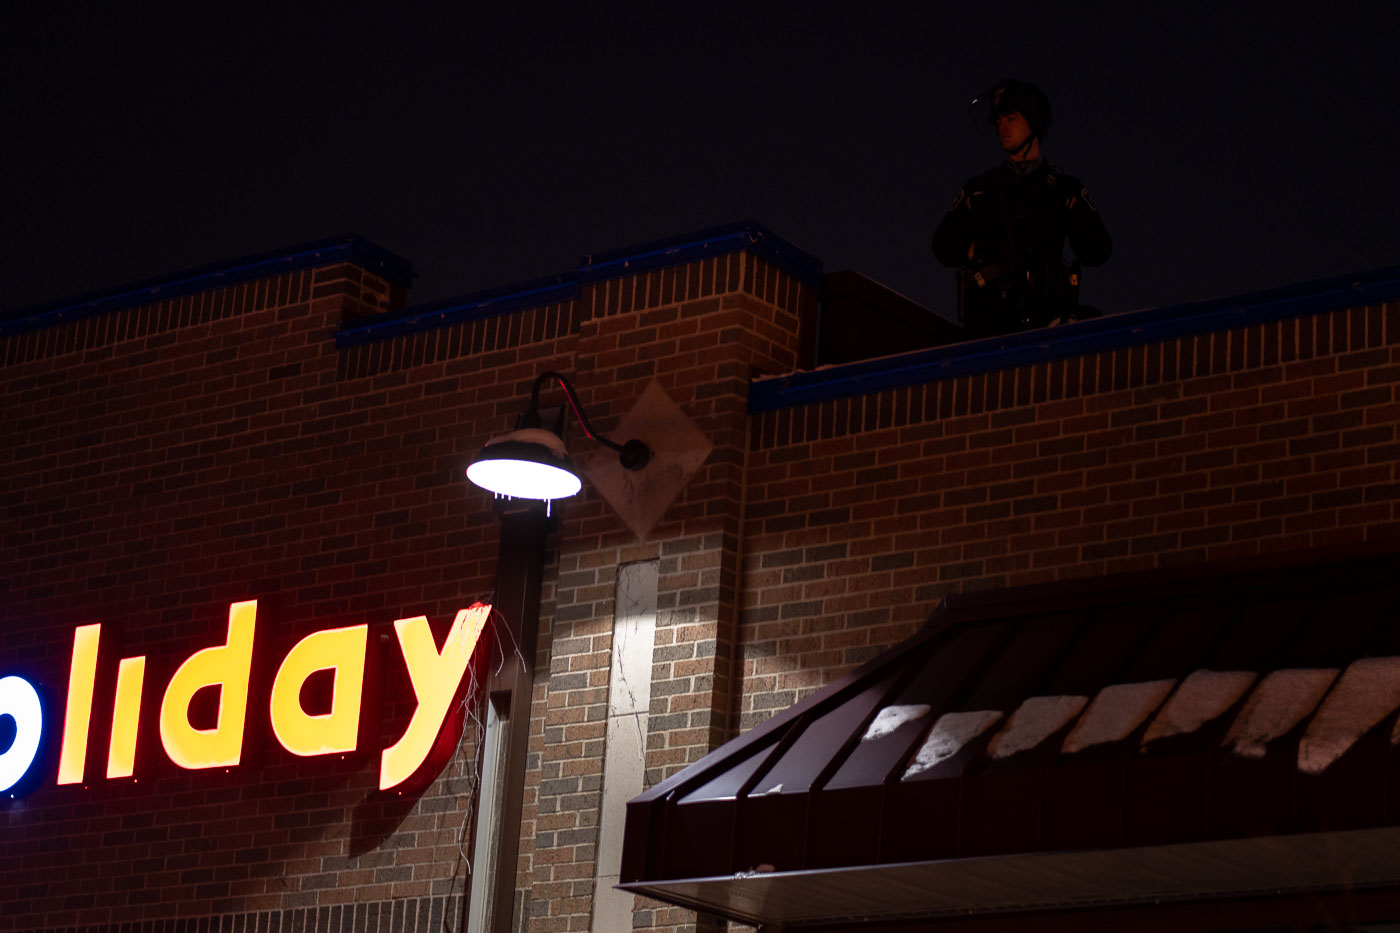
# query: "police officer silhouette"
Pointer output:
{"type": "Point", "coordinates": [1006, 231]}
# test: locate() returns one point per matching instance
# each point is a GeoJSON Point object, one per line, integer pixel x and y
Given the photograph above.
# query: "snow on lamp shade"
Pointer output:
{"type": "Point", "coordinates": [525, 464]}
{"type": "Point", "coordinates": [521, 479]}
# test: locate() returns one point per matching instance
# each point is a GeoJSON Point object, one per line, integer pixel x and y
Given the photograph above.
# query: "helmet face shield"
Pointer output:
{"type": "Point", "coordinates": [979, 113]}
{"type": "Point", "coordinates": [1008, 96]}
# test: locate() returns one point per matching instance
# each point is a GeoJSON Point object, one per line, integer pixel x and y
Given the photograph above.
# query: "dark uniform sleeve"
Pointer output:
{"type": "Point", "coordinates": [1084, 227]}
{"type": "Point", "coordinates": [953, 237]}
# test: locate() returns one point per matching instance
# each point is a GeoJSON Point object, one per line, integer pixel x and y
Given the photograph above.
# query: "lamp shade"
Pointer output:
{"type": "Point", "coordinates": [526, 464]}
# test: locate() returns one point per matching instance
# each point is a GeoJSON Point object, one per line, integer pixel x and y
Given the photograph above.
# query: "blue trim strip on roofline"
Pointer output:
{"type": "Point", "coordinates": [718, 241]}
{"type": "Point", "coordinates": [458, 310]}
{"type": "Point", "coordinates": [1112, 332]}
{"type": "Point", "coordinates": [348, 247]}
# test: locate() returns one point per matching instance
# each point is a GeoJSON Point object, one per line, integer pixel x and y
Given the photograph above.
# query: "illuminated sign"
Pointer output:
{"type": "Point", "coordinates": [19, 702]}
{"type": "Point", "coordinates": [82, 677]}
{"type": "Point", "coordinates": [436, 674]}
{"type": "Point", "coordinates": [342, 651]}
{"type": "Point", "coordinates": [227, 666]}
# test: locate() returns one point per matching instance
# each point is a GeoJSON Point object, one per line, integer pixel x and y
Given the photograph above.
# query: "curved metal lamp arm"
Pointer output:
{"type": "Point", "coordinates": [634, 454]}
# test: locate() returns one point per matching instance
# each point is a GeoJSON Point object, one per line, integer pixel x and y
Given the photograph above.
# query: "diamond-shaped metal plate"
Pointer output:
{"type": "Point", "coordinates": [678, 448]}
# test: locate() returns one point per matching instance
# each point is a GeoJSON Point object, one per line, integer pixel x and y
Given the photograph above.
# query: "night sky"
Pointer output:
{"type": "Point", "coordinates": [1230, 147]}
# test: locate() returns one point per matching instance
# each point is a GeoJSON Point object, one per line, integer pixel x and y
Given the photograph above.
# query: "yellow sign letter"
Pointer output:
{"type": "Point", "coordinates": [436, 676]}
{"type": "Point", "coordinates": [82, 676]}
{"type": "Point", "coordinates": [226, 666]}
{"type": "Point", "coordinates": [126, 716]}
{"type": "Point", "coordinates": [341, 650]}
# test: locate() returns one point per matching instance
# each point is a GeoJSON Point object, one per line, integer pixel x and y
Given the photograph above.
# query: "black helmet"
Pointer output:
{"type": "Point", "coordinates": [1011, 96]}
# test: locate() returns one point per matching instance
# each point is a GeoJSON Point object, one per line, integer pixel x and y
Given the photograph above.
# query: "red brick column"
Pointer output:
{"type": "Point", "coordinates": [701, 330]}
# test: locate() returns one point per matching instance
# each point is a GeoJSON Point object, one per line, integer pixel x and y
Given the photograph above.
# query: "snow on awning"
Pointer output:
{"type": "Point", "coordinates": [1183, 715]}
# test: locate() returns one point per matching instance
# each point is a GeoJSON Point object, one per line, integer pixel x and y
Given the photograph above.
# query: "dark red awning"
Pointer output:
{"type": "Point", "coordinates": [1177, 736]}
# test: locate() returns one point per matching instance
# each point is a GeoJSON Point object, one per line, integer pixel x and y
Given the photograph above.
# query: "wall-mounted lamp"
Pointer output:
{"type": "Point", "coordinates": [528, 463]}
{"type": "Point", "coordinates": [531, 462]}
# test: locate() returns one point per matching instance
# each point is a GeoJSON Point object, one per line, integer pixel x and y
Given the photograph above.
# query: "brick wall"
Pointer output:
{"type": "Point", "coordinates": [701, 330]}
{"type": "Point", "coordinates": [864, 511]}
{"type": "Point", "coordinates": [163, 461]}
{"type": "Point", "coordinates": [170, 458]}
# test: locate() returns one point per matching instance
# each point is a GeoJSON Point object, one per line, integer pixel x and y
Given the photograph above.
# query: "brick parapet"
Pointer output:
{"type": "Point", "coordinates": [478, 344]}
{"type": "Point", "coordinates": [702, 345]}
{"type": "Point", "coordinates": [866, 510]}
{"type": "Point", "coordinates": [1217, 352]}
